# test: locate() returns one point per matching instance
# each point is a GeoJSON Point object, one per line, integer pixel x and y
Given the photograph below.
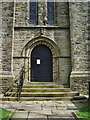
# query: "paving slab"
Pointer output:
{"type": "Point", "coordinates": [49, 108]}
{"type": "Point", "coordinates": [27, 102]}
{"type": "Point", "coordinates": [48, 103]}
{"type": "Point", "coordinates": [9, 106]}
{"type": "Point", "coordinates": [61, 108]}
{"type": "Point", "coordinates": [59, 102]}
{"type": "Point", "coordinates": [63, 113]}
{"type": "Point", "coordinates": [67, 102]}
{"type": "Point", "coordinates": [43, 112]}
{"type": "Point", "coordinates": [60, 105]}
{"type": "Point", "coordinates": [37, 116]}
{"type": "Point", "coordinates": [10, 102]}
{"type": "Point", "coordinates": [56, 117]}
{"type": "Point", "coordinates": [39, 102]}
{"type": "Point", "coordinates": [30, 107]}
{"type": "Point", "coordinates": [71, 106]}
{"type": "Point", "coordinates": [20, 114]}
{"type": "Point", "coordinates": [80, 104]}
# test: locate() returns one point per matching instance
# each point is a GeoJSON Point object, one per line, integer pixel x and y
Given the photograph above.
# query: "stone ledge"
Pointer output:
{"type": "Point", "coordinates": [80, 73]}
{"type": "Point", "coordinates": [5, 73]}
{"type": "Point", "coordinates": [39, 26]}
{"type": "Point", "coordinates": [6, 76]}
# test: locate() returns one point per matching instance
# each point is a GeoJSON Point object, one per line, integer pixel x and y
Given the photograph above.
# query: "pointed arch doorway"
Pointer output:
{"type": "Point", "coordinates": [41, 64]}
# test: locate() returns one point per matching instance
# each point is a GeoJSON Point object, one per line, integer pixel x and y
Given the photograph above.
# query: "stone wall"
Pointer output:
{"type": "Point", "coordinates": [62, 39]}
{"type": "Point", "coordinates": [79, 45]}
{"type": "Point", "coordinates": [24, 35]}
{"type": "Point", "coordinates": [59, 33]}
{"type": "Point", "coordinates": [6, 45]}
{"type": "Point", "coordinates": [69, 33]}
{"type": "Point", "coordinates": [89, 39]}
{"type": "Point", "coordinates": [62, 14]}
{"type": "Point", "coordinates": [22, 14]}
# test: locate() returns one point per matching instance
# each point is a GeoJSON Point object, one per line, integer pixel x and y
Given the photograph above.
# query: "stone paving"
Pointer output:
{"type": "Point", "coordinates": [43, 110]}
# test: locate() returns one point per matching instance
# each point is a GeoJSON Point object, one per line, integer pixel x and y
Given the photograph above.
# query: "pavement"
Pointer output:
{"type": "Point", "coordinates": [43, 110]}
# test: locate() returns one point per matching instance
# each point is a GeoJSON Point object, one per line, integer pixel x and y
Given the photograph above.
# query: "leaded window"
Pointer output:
{"type": "Point", "coordinates": [33, 12]}
{"type": "Point", "coordinates": [50, 12]}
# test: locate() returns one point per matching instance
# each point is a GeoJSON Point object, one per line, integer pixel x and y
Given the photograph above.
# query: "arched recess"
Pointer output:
{"type": "Point", "coordinates": [41, 40]}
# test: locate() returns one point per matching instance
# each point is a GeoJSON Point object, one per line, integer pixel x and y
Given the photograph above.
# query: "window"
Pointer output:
{"type": "Point", "coordinates": [50, 12]}
{"type": "Point", "coordinates": [32, 12]}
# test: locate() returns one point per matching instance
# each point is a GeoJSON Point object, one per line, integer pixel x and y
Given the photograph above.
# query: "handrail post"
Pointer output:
{"type": "Point", "coordinates": [17, 91]}
{"type": "Point", "coordinates": [20, 84]}
{"type": "Point", "coordinates": [89, 102]}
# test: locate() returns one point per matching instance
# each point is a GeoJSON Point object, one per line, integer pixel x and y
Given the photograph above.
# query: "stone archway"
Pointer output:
{"type": "Point", "coordinates": [41, 40]}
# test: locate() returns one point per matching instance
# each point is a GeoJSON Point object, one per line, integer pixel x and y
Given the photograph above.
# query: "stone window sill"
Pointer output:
{"type": "Point", "coordinates": [39, 26]}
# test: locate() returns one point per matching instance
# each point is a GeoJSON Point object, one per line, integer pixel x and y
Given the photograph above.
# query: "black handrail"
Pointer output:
{"type": "Point", "coordinates": [19, 80]}
{"type": "Point", "coordinates": [16, 79]}
{"type": "Point", "coordinates": [20, 83]}
{"type": "Point", "coordinates": [89, 101]}
{"type": "Point", "coordinates": [18, 75]}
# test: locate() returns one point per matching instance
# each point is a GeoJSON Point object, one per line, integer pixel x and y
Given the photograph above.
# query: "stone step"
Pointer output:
{"type": "Point", "coordinates": [42, 86]}
{"type": "Point", "coordinates": [39, 83]}
{"type": "Point", "coordinates": [35, 98]}
{"type": "Point", "coordinates": [44, 89]}
{"type": "Point", "coordinates": [46, 94]}
{"type": "Point", "coordinates": [43, 98]}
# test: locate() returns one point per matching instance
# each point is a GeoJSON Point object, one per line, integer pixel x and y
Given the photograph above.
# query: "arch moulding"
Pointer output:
{"type": "Point", "coordinates": [41, 40]}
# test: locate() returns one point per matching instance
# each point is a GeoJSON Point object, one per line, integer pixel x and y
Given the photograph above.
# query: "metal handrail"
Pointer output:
{"type": "Point", "coordinates": [20, 83]}
{"type": "Point", "coordinates": [89, 102]}
{"type": "Point", "coordinates": [19, 80]}
{"type": "Point", "coordinates": [16, 78]}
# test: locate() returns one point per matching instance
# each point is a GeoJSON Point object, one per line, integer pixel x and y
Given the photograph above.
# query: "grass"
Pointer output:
{"type": "Point", "coordinates": [4, 113]}
{"type": "Point", "coordinates": [83, 113]}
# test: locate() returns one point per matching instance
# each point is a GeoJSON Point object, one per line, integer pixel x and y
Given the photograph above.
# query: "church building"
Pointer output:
{"type": "Point", "coordinates": [48, 40]}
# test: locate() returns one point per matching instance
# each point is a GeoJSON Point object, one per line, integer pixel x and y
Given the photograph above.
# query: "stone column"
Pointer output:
{"type": "Point", "coordinates": [79, 57]}
{"type": "Point", "coordinates": [6, 77]}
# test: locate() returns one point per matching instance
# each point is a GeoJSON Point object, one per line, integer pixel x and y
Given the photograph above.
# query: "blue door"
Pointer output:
{"type": "Point", "coordinates": [41, 64]}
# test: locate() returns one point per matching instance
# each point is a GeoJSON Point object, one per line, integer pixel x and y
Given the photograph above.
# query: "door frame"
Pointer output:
{"type": "Point", "coordinates": [55, 54]}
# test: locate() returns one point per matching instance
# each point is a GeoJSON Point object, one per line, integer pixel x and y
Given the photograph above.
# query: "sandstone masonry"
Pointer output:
{"type": "Point", "coordinates": [67, 39]}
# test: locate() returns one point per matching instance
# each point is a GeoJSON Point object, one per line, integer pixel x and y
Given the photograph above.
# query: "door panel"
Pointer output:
{"type": "Point", "coordinates": [41, 64]}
